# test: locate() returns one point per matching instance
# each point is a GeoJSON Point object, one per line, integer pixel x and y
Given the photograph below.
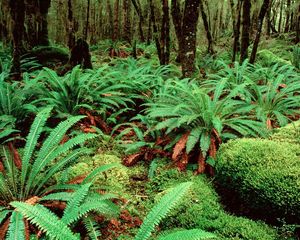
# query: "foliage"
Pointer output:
{"type": "Point", "coordinates": [264, 173]}
{"type": "Point", "coordinates": [30, 178]}
{"type": "Point", "coordinates": [184, 107]}
{"type": "Point", "coordinates": [160, 211]}
{"type": "Point", "coordinates": [201, 209]}
{"type": "Point", "coordinates": [296, 57]}
{"type": "Point", "coordinates": [288, 134]}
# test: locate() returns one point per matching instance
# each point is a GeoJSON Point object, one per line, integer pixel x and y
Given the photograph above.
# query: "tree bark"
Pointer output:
{"type": "Point", "coordinates": [87, 22]}
{"type": "Point", "coordinates": [280, 16]}
{"type": "Point", "coordinates": [43, 38]}
{"type": "Point", "coordinates": [71, 34]}
{"type": "Point", "coordinates": [297, 40]}
{"type": "Point", "coordinates": [245, 30]}
{"type": "Point", "coordinates": [165, 34]}
{"type": "Point", "coordinates": [208, 33]}
{"type": "Point", "coordinates": [126, 22]}
{"type": "Point", "coordinates": [288, 14]}
{"type": "Point", "coordinates": [261, 17]}
{"type": "Point", "coordinates": [188, 40]}
{"type": "Point", "coordinates": [137, 7]}
{"type": "Point", "coordinates": [236, 41]}
{"type": "Point", "coordinates": [17, 12]}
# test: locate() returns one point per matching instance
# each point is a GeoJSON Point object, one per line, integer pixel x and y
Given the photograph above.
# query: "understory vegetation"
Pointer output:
{"type": "Point", "coordinates": [191, 132]}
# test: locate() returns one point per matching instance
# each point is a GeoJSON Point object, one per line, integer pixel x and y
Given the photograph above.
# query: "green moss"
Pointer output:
{"type": "Point", "coordinates": [288, 134]}
{"type": "Point", "coordinates": [201, 209]}
{"type": "Point", "coordinates": [265, 174]}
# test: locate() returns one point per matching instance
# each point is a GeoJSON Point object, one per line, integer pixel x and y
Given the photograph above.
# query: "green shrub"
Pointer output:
{"type": "Point", "coordinates": [289, 133]}
{"type": "Point", "coordinates": [265, 174]}
{"type": "Point", "coordinates": [202, 210]}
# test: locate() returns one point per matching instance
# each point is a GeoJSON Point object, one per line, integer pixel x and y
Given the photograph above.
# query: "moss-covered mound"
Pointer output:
{"type": "Point", "coordinates": [264, 173]}
{"type": "Point", "coordinates": [201, 209]}
{"type": "Point", "coordinates": [288, 134]}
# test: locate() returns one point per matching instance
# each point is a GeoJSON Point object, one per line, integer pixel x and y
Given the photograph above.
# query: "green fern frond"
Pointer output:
{"type": "Point", "coordinates": [16, 230]}
{"type": "Point", "coordinates": [92, 177]}
{"type": "Point", "coordinates": [161, 209]}
{"type": "Point", "coordinates": [194, 234]}
{"type": "Point", "coordinates": [92, 228]}
{"type": "Point", "coordinates": [72, 207]}
{"type": "Point", "coordinates": [3, 214]}
{"type": "Point", "coordinates": [45, 220]}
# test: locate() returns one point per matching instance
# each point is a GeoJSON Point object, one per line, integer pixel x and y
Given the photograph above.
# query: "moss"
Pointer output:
{"type": "Point", "coordinates": [288, 134]}
{"type": "Point", "coordinates": [202, 209]}
{"type": "Point", "coordinates": [265, 174]}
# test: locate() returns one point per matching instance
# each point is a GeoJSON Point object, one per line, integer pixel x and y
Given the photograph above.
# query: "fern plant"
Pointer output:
{"type": "Point", "coordinates": [276, 103]}
{"type": "Point", "coordinates": [161, 210]}
{"type": "Point", "coordinates": [296, 57]}
{"type": "Point", "coordinates": [202, 120]}
{"type": "Point", "coordinates": [29, 178]}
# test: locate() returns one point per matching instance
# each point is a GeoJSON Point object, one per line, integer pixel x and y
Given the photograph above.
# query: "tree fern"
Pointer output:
{"type": "Point", "coordinates": [16, 230]}
{"type": "Point", "coordinates": [194, 234]}
{"type": "Point", "coordinates": [161, 209]}
{"type": "Point", "coordinates": [45, 220]}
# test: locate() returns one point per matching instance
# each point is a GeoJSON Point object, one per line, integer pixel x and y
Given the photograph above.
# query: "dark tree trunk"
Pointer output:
{"type": "Point", "coordinates": [17, 12]}
{"type": "Point", "coordinates": [111, 19]}
{"type": "Point", "coordinates": [237, 26]}
{"type": "Point", "coordinates": [288, 14]}
{"type": "Point", "coordinates": [126, 22]}
{"type": "Point", "coordinates": [165, 34]}
{"type": "Point", "coordinates": [188, 38]}
{"type": "Point", "coordinates": [149, 25]}
{"type": "Point", "coordinates": [245, 30]}
{"type": "Point", "coordinates": [269, 22]}
{"type": "Point", "coordinates": [71, 33]}
{"type": "Point", "coordinates": [206, 26]}
{"type": "Point", "coordinates": [87, 22]}
{"type": "Point", "coordinates": [137, 7]}
{"type": "Point", "coordinates": [177, 21]}
{"type": "Point", "coordinates": [155, 30]}
{"type": "Point", "coordinates": [298, 26]}
{"type": "Point", "coordinates": [261, 17]}
{"type": "Point", "coordinates": [43, 38]}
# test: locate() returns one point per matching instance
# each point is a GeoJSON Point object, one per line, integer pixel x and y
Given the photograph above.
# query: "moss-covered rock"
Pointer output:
{"type": "Point", "coordinates": [288, 134]}
{"type": "Point", "coordinates": [201, 209]}
{"type": "Point", "coordinates": [264, 173]}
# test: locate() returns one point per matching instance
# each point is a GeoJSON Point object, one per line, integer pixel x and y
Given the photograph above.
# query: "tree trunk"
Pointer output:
{"type": "Point", "coordinates": [43, 38]}
{"type": "Point", "coordinates": [116, 20]}
{"type": "Point", "coordinates": [126, 22]}
{"type": "Point", "coordinates": [208, 33]}
{"type": "Point", "coordinates": [280, 16]}
{"type": "Point", "coordinates": [245, 30]}
{"type": "Point", "coordinates": [71, 34]}
{"type": "Point", "coordinates": [236, 41]}
{"type": "Point", "coordinates": [297, 40]}
{"type": "Point", "coordinates": [17, 12]}
{"type": "Point", "coordinates": [138, 10]}
{"type": "Point", "coordinates": [155, 30]}
{"type": "Point", "coordinates": [269, 22]}
{"type": "Point", "coordinates": [188, 38]}
{"type": "Point", "coordinates": [87, 22]}
{"type": "Point", "coordinates": [288, 10]}
{"type": "Point", "coordinates": [177, 21]}
{"type": "Point", "coordinates": [261, 16]}
{"type": "Point", "coordinates": [149, 25]}
{"type": "Point", "coordinates": [110, 17]}
{"type": "Point", "coordinates": [165, 34]}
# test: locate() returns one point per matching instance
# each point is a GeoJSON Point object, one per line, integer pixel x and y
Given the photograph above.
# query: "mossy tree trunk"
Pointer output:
{"type": "Point", "coordinates": [245, 38]}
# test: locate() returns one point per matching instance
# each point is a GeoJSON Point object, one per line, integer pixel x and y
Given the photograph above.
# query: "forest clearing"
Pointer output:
{"type": "Point", "coordinates": [150, 119]}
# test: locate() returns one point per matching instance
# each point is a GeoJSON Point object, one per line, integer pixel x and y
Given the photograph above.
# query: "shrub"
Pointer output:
{"type": "Point", "coordinates": [202, 210]}
{"type": "Point", "coordinates": [264, 173]}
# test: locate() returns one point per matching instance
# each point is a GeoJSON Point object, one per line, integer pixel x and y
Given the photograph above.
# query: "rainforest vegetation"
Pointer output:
{"type": "Point", "coordinates": [150, 119]}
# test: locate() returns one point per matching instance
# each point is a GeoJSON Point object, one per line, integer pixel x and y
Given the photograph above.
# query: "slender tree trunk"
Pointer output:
{"type": "Point", "coordinates": [236, 41]}
{"type": "Point", "coordinates": [245, 30]}
{"type": "Point", "coordinates": [261, 16]}
{"type": "Point", "coordinates": [165, 34]}
{"type": "Point", "coordinates": [126, 22]}
{"type": "Point", "coordinates": [177, 21]}
{"type": "Point", "coordinates": [208, 34]}
{"type": "Point", "coordinates": [269, 22]}
{"type": "Point", "coordinates": [188, 40]}
{"type": "Point", "coordinates": [138, 10]}
{"type": "Point", "coordinates": [297, 40]}
{"type": "Point", "coordinates": [71, 34]}
{"type": "Point", "coordinates": [288, 12]}
{"type": "Point", "coordinates": [155, 30]}
{"type": "Point", "coordinates": [149, 25]}
{"type": "Point", "coordinates": [17, 12]}
{"type": "Point", "coordinates": [111, 19]}
{"type": "Point", "coordinates": [87, 22]}
{"type": "Point", "coordinates": [280, 16]}
{"type": "Point", "coordinates": [116, 20]}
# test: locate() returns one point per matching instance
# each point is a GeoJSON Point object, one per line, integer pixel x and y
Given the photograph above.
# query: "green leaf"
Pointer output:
{"type": "Point", "coordinates": [16, 230]}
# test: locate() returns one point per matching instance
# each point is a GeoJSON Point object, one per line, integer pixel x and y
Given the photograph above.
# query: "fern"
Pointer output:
{"type": "Point", "coordinates": [161, 209]}
{"type": "Point", "coordinates": [194, 234]}
{"type": "Point", "coordinates": [73, 205]}
{"type": "Point", "coordinates": [16, 229]}
{"type": "Point", "coordinates": [45, 220]}
{"type": "Point", "coordinates": [92, 228]}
